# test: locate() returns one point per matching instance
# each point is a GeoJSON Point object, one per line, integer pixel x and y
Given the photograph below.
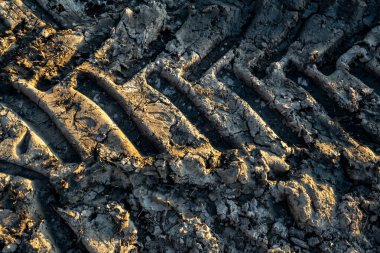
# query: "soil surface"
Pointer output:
{"type": "Point", "coordinates": [189, 126]}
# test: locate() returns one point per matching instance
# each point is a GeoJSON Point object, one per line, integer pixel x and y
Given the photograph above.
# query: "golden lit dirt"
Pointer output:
{"type": "Point", "coordinates": [189, 126]}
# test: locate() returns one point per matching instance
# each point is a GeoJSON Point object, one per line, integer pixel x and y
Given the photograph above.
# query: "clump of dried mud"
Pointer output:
{"type": "Point", "coordinates": [189, 126]}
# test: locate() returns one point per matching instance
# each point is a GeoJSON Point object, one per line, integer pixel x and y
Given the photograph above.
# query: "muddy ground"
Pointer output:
{"type": "Point", "coordinates": [189, 126]}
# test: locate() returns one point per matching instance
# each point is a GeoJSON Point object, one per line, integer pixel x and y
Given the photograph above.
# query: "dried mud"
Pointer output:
{"type": "Point", "coordinates": [189, 126]}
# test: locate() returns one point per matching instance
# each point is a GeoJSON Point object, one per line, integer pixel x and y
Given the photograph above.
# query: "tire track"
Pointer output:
{"type": "Point", "coordinates": [162, 78]}
{"type": "Point", "coordinates": [63, 238]}
{"type": "Point", "coordinates": [185, 105]}
{"type": "Point", "coordinates": [21, 27]}
{"type": "Point", "coordinates": [367, 77]}
{"type": "Point", "coordinates": [40, 123]}
{"type": "Point", "coordinates": [87, 86]}
{"type": "Point", "coordinates": [81, 114]}
{"type": "Point", "coordinates": [153, 113]}
{"type": "Point", "coordinates": [270, 116]}
{"type": "Point", "coordinates": [296, 105]}
{"type": "Point", "coordinates": [348, 91]}
{"type": "Point", "coordinates": [348, 120]}
{"type": "Point", "coordinates": [221, 106]}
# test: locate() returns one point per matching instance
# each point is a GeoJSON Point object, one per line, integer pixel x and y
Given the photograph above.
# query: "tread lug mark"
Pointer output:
{"type": "Point", "coordinates": [185, 105]}
{"type": "Point", "coordinates": [372, 41]}
{"type": "Point", "coordinates": [40, 123]}
{"type": "Point", "coordinates": [21, 215]}
{"type": "Point", "coordinates": [348, 91]}
{"type": "Point", "coordinates": [351, 94]}
{"type": "Point", "coordinates": [154, 114]}
{"type": "Point", "coordinates": [15, 136]}
{"type": "Point", "coordinates": [349, 121]}
{"type": "Point", "coordinates": [308, 118]}
{"type": "Point", "coordinates": [211, 96]}
{"type": "Point", "coordinates": [18, 21]}
{"type": "Point", "coordinates": [302, 112]}
{"type": "Point", "coordinates": [217, 22]}
{"type": "Point", "coordinates": [87, 85]}
{"type": "Point", "coordinates": [227, 112]}
{"type": "Point", "coordinates": [272, 117]}
{"type": "Point", "coordinates": [117, 234]}
{"type": "Point", "coordinates": [83, 123]}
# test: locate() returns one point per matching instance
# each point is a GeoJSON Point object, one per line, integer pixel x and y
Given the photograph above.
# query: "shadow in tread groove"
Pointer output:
{"type": "Point", "coordinates": [40, 123]}
{"type": "Point", "coordinates": [273, 118]}
{"type": "Point", "coordinates": [88, 87]}
{"type": "Point", "coordinates": [188, 109]}
{"type": "Point", "coordinates": [22, 147]}
{"type": "Point", "coordinates": [348, 121]}
{"type": "Point", "coordinates": [63, 237]}
{"type": "Point", "coordinates": [196, 71]}
{"type": "Point", "coordinates": [366, 77]}
{"type": "Point", "coordinates": [41, 13]}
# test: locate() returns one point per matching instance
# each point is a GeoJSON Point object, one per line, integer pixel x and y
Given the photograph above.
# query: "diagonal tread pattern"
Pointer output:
{"type": "Point", "coordinates": [263, 193]}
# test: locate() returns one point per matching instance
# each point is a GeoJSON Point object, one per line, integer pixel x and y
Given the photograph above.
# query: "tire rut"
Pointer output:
{"type": "Point", "coordinates": [190, 126]}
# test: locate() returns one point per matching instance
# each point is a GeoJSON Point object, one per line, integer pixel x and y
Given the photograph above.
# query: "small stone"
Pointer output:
{"type": "Point", "coordinates": [157, 231]}
{"type": "Point", "coordinates": [299, 243]}
{"type": "Point", "coordinates": [276, 164]}
{"type": "Point", "coordinates": [313, 241]}
{"type": "Point", "coordinates": [279, 229]}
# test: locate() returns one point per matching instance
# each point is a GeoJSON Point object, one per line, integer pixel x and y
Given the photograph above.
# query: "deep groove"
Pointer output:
{"type": "Point", "coordinates": [22, 42]}
{"type": "Point", "coordinates": [185, 105]}
{"type": "Point", "coordinates": [366, 77]}
{"type": "Point", "coordinates": [249, 200]}
{"type": "Point", "coordinates": [280, 50]}
{"type": "Point", "coordinates": [88, 87]}
{"type": "Point", "coordinates": [22, 147]}
{"type": "Point", "coordinates": [45, 85]}
{"type": "Point", "coordinates": [15, 170]}
{"type": "Point", "coordinates": [3, 26]}
{"type": "Point", "coordinates": [273, 118]}
{"type": "Point", "coordinates": [40, 123]}
{"type": "Point", "coordinates": [63, 237]}
{"type": "Point", "coordinates": [41, 13]}
{"type": "Point", "coordinates": [348, 121]}
{"type": "Point", "coordinates": [196, 71]}
{"type": "Point", "coordinates": [155, 48]}
{"type": "Point", "coordinates": [83, 53]}
{"type": "Point", "coordinates": [327, 67]}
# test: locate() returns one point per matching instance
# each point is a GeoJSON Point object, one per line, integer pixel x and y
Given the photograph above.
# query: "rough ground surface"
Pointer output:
{"type": "Point", "coordinates": [189, 126]}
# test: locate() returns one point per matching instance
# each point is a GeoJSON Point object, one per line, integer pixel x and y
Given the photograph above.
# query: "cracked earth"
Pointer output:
{"type": "Point", "coordinates": [189, 126]}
